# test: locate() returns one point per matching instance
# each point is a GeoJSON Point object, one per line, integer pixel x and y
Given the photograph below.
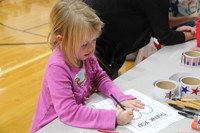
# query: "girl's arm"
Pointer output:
{"type": "Point", "coordinates": [70, 110]}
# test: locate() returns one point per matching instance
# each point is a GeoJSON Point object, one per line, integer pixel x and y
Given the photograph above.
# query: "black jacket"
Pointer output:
{"type": "Point", "coordinates": [129, 24]}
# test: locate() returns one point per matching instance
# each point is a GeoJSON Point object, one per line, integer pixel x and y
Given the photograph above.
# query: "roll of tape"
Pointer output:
{"type": "Point", "coordinates": [165, 90]}
{"type": "Point", "coordinates": [191, 58]}
{"type": "Point", "coordinates": [190, 86]}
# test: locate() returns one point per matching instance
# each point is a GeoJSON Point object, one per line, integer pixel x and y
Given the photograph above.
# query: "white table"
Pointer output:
{"type": "Point", "coordinates": [160, 65]}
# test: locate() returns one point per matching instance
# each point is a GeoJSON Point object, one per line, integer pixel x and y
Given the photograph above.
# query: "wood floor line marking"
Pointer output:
{"type": "Point", "coordinates": [24, 63]}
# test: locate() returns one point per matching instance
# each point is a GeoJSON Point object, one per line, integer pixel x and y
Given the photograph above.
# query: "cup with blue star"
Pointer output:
{"type": "Point", "coordinates": [190, 86]}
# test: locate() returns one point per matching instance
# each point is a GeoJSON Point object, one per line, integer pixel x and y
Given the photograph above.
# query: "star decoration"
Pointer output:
{"type": "Point", "coordinates": [169, 95]}
{"type": "Point", "coordinates": [195, 91]}
{"type": "Point", "coordinates": [184, 89]}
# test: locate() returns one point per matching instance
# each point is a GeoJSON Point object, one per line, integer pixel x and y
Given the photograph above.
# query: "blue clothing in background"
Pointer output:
{"type": "Point", "coordinates": [184, 8]}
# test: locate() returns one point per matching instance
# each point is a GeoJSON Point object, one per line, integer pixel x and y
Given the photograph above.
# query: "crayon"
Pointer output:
{"type": "Point", "coordinates": [195, 126]}
{"type": "Point", "coordinates": [186, 115]}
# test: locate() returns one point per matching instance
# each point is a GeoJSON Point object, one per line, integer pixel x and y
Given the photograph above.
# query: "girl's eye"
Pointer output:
{"type": "Point", "coordinates": [94, 41]}
{"type": "Point", "coordinates": [84, 45]}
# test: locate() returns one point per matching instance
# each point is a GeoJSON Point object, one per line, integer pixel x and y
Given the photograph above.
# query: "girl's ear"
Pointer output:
{"type": "Point", "coordinates": [59, 38]}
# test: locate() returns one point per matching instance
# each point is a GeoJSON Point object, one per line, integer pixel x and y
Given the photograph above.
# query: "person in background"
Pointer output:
{"type": "Point", "coordinates": [184, 12]}
{"type": "Point", "coordinates": [72, 70]}
{"type": "Point", "coordinates": [189, 14]}
{"type": "Point", "coordinates": [181, 12]}
{"type": "Point", "coordinates": [129, 25]}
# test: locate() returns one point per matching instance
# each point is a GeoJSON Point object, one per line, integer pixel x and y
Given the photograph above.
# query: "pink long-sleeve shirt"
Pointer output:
{"type": "Point", "coordinates": [64, 90]}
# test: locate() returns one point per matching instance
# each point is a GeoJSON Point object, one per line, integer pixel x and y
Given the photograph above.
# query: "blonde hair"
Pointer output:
{"type": "Point", "coordinates": [72, 19]}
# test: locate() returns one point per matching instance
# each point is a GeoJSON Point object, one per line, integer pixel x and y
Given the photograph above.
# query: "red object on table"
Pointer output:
{"type": "Point", "coordinates": [198, 32]}
{"type": "Point", "coordinates": [106, 131]}
{"type": "Point", "coordinates": [195, 126]}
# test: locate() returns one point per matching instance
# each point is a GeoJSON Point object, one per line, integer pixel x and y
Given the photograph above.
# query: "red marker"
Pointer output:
{"type": "Point", "coordinates": [106, 131]}
{"type": "Point", "coordinates": [198, 32]}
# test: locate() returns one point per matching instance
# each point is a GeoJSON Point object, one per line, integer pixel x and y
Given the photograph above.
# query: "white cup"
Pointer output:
{"type": "Point", "coordinates": [190, 86]}
{"type": "Point", "coordinates": [165, 90]}
{"type": "Point", "coordinates": [191, 58]}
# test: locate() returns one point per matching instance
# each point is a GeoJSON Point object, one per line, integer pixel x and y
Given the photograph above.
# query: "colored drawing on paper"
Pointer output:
{"type": "Point", "coordinates": [150, 115]}
{"type": "Point", "coordinates": [148, 118]}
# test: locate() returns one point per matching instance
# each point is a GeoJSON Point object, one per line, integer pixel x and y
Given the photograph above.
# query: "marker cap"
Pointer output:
{"type": "Point", "coordinates": [197, 120]}
{"type": "Point", "coordinates": [195, 126]}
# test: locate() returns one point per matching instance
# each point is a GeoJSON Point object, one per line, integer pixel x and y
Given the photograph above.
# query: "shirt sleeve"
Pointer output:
{"type": "Point", "coordinates": [157, 13]}
{"type": "Point", "coordinates": [68, 111]}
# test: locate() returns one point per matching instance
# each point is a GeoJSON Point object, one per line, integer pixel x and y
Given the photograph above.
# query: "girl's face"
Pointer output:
{"type": "Point", "coordinates": [87, 47]}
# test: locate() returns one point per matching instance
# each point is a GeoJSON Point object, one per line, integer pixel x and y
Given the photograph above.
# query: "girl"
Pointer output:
{"type": "Point", "coordinates": [73, 69]}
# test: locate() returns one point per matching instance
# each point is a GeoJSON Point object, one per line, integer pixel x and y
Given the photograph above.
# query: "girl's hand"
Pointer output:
{"type": "Point", "coordinates": [134, 104]}
{"type": "Point", "coordinates": [123, 116]}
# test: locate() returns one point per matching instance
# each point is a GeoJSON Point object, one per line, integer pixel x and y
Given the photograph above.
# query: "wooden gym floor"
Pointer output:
{"type": "Point", "coordinates": [24, 52]}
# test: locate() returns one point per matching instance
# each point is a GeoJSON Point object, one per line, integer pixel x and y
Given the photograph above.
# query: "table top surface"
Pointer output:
{"type": "Point", "coordinates": [161, 65]}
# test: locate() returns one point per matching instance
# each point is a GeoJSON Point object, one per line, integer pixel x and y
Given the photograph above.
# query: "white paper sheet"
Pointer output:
{"type": "Point", "coordinates": [153, 118]}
